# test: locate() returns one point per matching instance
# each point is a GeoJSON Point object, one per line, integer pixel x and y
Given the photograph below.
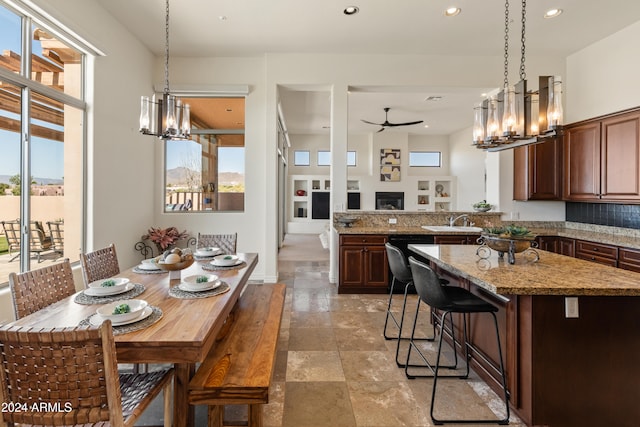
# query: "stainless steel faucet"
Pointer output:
{"type": "Point", "coordinates": [452, 220]}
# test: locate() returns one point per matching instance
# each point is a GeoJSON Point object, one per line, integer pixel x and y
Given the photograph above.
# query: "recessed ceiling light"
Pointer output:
{"type": "Point", "coordinates": [222, 18]}
{"type": "Point", "coordinates": [552, 13]}
{"type": "Point", "coordinates": [351, 10]}
{"type": "Point", "coordinates": [452, 11]}
{"type": "Point", "coordinates": [426, 126]}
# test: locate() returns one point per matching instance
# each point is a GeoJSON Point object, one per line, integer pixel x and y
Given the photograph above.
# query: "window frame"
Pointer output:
{"type": "Point", "coordinates": [29, 18]}
{"type": "Point", "coordinates": [411, 153]}
{"type": "Point", "coordinates": [295, 158]}
{"type": "Point", "coordinates": [324, 152]}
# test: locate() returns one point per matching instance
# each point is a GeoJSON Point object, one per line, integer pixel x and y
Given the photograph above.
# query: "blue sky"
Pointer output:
{"type": "Point", "coordinates": [47, 157]}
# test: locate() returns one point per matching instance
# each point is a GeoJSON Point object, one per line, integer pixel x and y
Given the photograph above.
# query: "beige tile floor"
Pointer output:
{"type": "Point", "coordinates": [335, 369]}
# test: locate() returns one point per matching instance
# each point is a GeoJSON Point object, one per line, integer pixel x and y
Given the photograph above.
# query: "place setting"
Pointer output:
{"type": "Point", "coordinates": [224, 262]}
{"type": "Point", "coordinates": [125, 315]}
{"type": "Point", "coordinates": [148, 266]}
{"type": "Point", "coordinates": [199, 286]}
{"type": "Point", "coordinates": [109, 290]}
{"type": "Point", "coordinates": [206, 253]}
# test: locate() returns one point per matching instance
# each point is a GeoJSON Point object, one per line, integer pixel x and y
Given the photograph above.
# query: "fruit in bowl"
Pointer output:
{"type": "Point", "coordinates": [175, 260]}
{"type": "Point", "coordinates": [482, 206]}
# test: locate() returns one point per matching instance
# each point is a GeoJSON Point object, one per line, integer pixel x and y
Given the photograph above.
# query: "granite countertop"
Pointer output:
{"type": "Point", "coordinates": [553, 274]}
{"type": "Point", "coordinates": [621, 237]}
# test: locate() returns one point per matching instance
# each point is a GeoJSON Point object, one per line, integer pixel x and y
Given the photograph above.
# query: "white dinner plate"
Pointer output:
{"type": "Point", "coordinates": [207, 251]}
{"type": "Point", "coordinates": [93, 293]}
{"type": "Point", "coordinates": [226, 261]}
{"type": "Point", "coordinates": [96, 319]}
{"type": "Point", "coordinates": [192, 281]}
{"type": "Point", "coordinates": [185, 287]}
{"type": "Point", "coordinates": [136, 306]}
{"type": "Point", "coordinates": [148, 266]}
{"type": "Point", "coordinates": [98, 289]}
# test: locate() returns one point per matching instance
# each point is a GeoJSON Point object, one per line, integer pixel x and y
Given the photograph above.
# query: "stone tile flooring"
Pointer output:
{"type": "Point", "coordinates": [334, 367]}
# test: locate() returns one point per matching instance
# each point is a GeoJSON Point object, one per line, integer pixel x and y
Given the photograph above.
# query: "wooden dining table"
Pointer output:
{"type": "Point", "coordinates": [184, 334]}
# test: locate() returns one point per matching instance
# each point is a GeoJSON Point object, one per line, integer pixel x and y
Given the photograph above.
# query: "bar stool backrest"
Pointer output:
{"type": "Point", "coordinates": [428, 285]}
{"type": "Point", "coordinates": [398, 264]}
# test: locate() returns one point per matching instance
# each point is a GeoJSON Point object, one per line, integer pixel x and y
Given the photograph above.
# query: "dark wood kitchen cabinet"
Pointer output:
{"type": "Point", "coordinates": [537, 171]}
{"type": "Point", "coordinates": [597, 252]}
{"type": "Point", "coordinates": [629, 259]}
{"type": "Point", "coordinates": [363, 264]}
{"type": "Point", "coordinates": [556, 244]}
{"type": "Point", "coordinates": [602, 159]}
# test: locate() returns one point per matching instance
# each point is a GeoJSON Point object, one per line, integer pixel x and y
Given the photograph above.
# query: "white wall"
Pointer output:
{"type": "Point", "coordinates": [467, 164]}
{"type": "Point", "coordinates": [603, 78]}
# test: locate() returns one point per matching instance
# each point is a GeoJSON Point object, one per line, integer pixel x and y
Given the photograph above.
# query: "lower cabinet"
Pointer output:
{"type": "Point", "coordinates": [558, 245]}
{"type": "Point", "coordinates": [629, 259]}
{"type": "Point", "coordinates": [363, 264]}
{"type": "Point", "coordinates": [597, 252]}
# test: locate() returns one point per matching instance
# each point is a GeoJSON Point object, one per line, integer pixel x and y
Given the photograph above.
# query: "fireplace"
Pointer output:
{"type": "Point", "coordinates": [390, 200]}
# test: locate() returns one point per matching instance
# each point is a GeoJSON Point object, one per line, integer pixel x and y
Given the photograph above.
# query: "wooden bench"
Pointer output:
{"type": "Point", "coordinates": [239, 366]}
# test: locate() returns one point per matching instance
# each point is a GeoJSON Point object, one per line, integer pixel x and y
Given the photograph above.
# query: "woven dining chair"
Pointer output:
{"type": "Point", "coordinates": [226, 242]}
{"type": "Point", "coordinates": [99, 264]}
{"type": "Point", "coordinates": [36, 289]}
{"type": "Point", "coordinates": [73, 372]}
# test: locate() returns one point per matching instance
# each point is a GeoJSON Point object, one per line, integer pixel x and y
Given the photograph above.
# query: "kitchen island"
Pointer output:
{"type": "Point", "coordinates": [570, 330]}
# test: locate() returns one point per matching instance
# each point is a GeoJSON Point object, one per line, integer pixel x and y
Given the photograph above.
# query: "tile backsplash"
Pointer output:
{"type": "Point", "coordinates": [615, 215]}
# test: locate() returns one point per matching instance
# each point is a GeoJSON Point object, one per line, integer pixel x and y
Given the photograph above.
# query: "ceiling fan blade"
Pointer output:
{"type": "Point", "coordinates": [381, 129]}
{"type": "Point", "coordinates": [405, 124]}
{"type": "Point", "coordinates": [372, 123]}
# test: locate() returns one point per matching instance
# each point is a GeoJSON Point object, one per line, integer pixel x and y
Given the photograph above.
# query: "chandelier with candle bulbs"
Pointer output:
{"type": "Point", "coordinates": [516, 116]}
{"type": "Point", "coordinates": [166, 118]}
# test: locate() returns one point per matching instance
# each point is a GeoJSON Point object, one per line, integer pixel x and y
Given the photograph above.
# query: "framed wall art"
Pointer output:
{"type": "Point", "coordinates": [390, 173]}
{"type": "Point", "coordinates": [389, 156]}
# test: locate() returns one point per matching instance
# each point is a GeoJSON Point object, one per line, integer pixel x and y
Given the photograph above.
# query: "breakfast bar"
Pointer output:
{"type": "Point", "coordinates": [570, 329]}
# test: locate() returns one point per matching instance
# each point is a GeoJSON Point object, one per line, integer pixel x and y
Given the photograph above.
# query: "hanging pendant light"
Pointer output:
{"type": "Point", "coordinates": [166, 118]}
{"type": "Point", "coordinates": [527, 117]}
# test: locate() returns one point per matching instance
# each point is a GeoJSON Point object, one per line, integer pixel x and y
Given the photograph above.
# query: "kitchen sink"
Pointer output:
{"type": "Point", "coordinates": [447, 228]}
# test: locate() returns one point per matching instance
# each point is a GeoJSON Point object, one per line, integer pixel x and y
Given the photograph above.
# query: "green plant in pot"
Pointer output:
{"type": "Point", "coordinates": [482, 206]}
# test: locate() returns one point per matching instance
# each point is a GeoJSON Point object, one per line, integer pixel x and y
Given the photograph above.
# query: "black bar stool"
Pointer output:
{"type": "Point", "coordinates": [402, 274]}
{"type": "Point", "coordinates": [451, 299]}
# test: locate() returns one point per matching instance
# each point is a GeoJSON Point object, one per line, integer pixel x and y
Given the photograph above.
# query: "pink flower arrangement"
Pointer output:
{"type": "Point", "coordinates": [164, 237]}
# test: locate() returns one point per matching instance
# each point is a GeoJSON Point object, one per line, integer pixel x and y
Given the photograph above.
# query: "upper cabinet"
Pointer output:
{"type": "Point", "coordinates": [537, 171]}
{"type": "Point", "coordinates": [602, 159]}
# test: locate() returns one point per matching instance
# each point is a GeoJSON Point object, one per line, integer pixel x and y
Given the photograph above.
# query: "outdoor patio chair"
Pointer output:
{"type": "Point", "coordinates": [56, 233]}
{"type": "Point", "coordinates": [99, 264]}
{"type": "Point", "coordinates": [12, 234]}
{"type": "Point", "coordinates": [39, 241]}
{"type": "Point", "coordinates": [226, 242]}
{"type": "Point", "coordinates": [36, 289]}
{"type": "Point", "coordinates": [75, 368]}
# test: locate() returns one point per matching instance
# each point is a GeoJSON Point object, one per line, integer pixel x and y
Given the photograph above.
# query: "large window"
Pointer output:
{"type": "Point", "coordinates": [207, 173]}
{"type": "Point", "coordinates": [425, 159]}
{"type": "Point", "coordinates": [42, 173]}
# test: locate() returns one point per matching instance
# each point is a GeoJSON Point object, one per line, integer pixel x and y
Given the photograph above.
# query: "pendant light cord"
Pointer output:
{"type": "Point", "coordinates": [506, 43]}
{"type": "Point", "coordinates": [166, 50]}
{"type": "Point", "coordinates": [523, 73]}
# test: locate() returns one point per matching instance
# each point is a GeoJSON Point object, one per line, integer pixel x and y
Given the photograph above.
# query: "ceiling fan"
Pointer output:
{"type": "Point", "coordinates": [388, 124]}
